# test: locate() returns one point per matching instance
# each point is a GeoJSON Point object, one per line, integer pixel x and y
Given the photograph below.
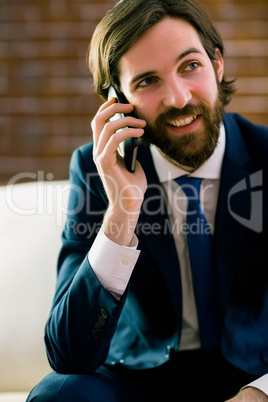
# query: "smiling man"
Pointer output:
{"type": "Point", "coordinates": [180, 99]}
{"type": "Point", "coordinates": [169, 299]}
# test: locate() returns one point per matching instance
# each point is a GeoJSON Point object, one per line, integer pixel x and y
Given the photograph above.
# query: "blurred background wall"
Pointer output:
{"type": "Point", "coordinates": [47, 99]}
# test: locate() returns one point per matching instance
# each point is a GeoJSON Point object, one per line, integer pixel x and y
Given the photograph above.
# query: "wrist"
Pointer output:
{"type": "Point", "coordinates": [120, 227]}
{"type": "Point", "coordinates": [249, 394]}
{"type": "Point", "coordinates": [253, 394]}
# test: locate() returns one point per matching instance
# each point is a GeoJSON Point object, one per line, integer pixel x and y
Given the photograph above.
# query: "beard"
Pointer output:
{"type": "Point", "coordinates": [192, 149]}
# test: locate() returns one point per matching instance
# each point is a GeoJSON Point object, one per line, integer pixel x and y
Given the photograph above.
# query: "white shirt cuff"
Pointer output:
{"type": "Point", "coordinates": [261, 383]}
{"type": "Point", "coordinates": [113, 264]}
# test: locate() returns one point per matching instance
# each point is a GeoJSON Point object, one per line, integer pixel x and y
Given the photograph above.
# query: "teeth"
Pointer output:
{"type": "Point", "coordinates": [182, 122]}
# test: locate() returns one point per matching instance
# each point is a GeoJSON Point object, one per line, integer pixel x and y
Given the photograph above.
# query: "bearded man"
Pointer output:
{"type": "Point", "coordinates": [165, 295]}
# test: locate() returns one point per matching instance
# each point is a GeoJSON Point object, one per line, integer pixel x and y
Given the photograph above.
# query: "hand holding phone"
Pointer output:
{"type": "Point", "coordinates": [124, 190]}
{"type": "Point", "coordinates": [130, 145]}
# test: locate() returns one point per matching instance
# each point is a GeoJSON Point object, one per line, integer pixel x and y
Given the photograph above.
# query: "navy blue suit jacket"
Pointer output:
{"type": "Point", "coordinates": [88, 327]}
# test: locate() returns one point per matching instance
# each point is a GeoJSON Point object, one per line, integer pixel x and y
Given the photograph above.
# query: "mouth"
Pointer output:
{"type": "Point", "coordinates": [182, 122]}
{"type": "Point", "coordinates": [184, 125]}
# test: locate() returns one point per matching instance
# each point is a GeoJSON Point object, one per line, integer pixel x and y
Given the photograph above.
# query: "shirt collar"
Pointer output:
{"type": "Point", "coordinates": [211, 169]}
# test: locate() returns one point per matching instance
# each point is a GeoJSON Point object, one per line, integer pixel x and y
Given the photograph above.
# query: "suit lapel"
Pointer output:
{"type": "Point", "coordinates": [233, 202]}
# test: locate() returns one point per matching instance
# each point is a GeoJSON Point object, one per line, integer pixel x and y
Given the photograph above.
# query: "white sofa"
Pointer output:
{"type": "Point", "coordinates": [32, 216]}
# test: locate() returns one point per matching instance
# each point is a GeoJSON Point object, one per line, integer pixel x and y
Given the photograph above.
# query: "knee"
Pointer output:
{"type": "Point", "coordinates": [47, 390]}
{"type": "Point", "coordinates": [68, 388]}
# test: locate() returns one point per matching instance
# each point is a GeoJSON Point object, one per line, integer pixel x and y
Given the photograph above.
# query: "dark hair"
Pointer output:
{"type": "Point", "coordinates": [128, 20]}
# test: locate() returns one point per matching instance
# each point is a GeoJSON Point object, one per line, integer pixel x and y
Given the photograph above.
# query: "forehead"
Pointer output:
{"type": "Point", "coordinates": [160, 45]}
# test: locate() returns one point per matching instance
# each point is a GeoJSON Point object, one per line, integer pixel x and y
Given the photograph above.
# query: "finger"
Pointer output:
{"type": "Point", "coordinates": [104, 145]}
{"type": "Point", "coordinates": [100, 110]}
{"type": "Point", "coordinates": [110, 150]}
{"type": "Point", "coordinates": [119, 129]}
{"type": "Point", "coordinates": [106, 104]}
{"type": "Point", "coordinates": [106, 112]}
{"type": "Point", "coordinates": [114, 125]}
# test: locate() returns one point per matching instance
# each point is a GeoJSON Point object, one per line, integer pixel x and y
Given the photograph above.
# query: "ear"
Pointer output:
{"type": "Point", "coordinates": [219, 64]}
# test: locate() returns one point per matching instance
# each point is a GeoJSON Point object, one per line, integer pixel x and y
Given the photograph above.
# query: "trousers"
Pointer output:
{"type": "Point", "coordinates": [188, 376]}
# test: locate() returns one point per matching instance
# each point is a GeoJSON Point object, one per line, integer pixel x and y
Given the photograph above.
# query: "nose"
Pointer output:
{"type": "Point", "coordinates": [176, 93]}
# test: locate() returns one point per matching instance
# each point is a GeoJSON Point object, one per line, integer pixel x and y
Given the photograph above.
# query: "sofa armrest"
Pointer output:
{"type": "Point", "coordinates": [32, 216]}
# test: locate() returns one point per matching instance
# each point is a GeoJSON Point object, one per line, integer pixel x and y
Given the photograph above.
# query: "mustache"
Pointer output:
{"type": "Point", "coordinates": [174, 113]}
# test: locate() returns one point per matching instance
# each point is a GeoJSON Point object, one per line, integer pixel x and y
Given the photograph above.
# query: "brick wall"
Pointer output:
{"type": "Point", "coordinates": [47, 99]}
{"type": "Point", "coordinates": [243, 25]}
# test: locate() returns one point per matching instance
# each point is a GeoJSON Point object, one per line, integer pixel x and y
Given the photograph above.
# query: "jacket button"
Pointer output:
{"type": "Point", "coordinates": [168, 351]}
{"type": "Point", "coordinates": [101, 320]}
{"type": "Point", "coordinates": [104, 313]}
{"type": "Point", "coordinates": [98, 326]}
{"type": "Point", "coordinates": [95, 333]}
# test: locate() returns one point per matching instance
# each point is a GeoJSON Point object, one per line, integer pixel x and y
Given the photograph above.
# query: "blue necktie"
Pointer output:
{"type": "Point", "coordinates": [200, 251]}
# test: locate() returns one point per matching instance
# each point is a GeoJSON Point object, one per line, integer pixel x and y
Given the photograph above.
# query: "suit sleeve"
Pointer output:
{"type": "Point", "coordinates": [84, 314]}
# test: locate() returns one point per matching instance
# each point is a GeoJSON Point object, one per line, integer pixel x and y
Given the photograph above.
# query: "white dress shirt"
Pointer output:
{"type": "Point", "coordinates": [177, 205]}
{"type": "Point", "coordinates": [115, 266]}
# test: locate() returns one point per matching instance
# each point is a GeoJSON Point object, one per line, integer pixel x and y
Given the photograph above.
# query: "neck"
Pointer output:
{"type": "Point", "coordinates": [186, 168]}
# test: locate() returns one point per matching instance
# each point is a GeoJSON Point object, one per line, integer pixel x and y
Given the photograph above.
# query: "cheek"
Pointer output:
{"type": "Point", "coordinates": [207, 88]}
{"type": "Point", "coordinates": [146, 107]}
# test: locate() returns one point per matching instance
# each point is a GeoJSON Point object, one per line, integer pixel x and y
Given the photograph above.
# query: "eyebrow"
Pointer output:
{"type": "Point", "coordinates": [152, 72]}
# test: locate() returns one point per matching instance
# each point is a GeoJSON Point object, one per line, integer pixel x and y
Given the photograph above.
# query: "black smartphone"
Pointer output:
{"type": "Point", "coordinates": [130, 145]}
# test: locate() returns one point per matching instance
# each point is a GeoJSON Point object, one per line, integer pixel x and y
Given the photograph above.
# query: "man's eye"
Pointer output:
{"type": "Point", "coordinates": [192, 66]}
{"type": "Point", "coordinates": [147, 81]}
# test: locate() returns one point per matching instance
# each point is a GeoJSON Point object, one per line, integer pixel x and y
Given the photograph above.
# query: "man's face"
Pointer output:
{"type": "Point", "coordinates": [169, 78]}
